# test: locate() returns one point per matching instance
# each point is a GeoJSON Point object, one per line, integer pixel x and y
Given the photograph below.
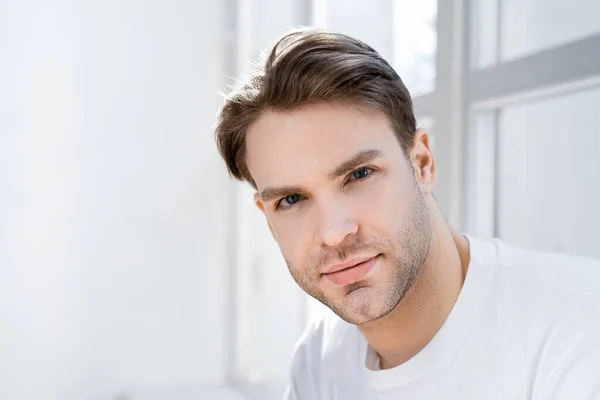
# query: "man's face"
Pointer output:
{"type": "Point", "coordinates": [342, 201]}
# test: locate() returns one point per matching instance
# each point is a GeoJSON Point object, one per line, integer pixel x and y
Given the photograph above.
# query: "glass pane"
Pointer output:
{"type": "Point", "coordinates": [548, 174]}
{"type": "Point", "coordinates": [503, 30]}
{"type": "Point", "coordinates": [480, 169]}
{"type": "Point", "coordinates": [484, 33]}
{"type": "Point", "coordinates": [528, 26]}
{"type": "Point", "coordinates": [376, 26]}
{"type": "Point", "coordinates": [415, 44]}
{"type": "Point", "coordinates": [402, 31]}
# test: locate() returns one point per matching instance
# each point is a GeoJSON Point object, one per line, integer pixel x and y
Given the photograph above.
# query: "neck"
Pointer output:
{"type": "Point", "coordinates": [426, 305]}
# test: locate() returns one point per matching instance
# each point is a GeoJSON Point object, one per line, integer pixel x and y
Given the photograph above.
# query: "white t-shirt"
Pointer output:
{"type": "Point", "coordinates": [526, 325]}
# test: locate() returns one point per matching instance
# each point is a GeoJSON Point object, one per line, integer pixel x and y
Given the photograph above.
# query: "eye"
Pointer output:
{"type": "Point", "coordinates": [288, 201]}
{"type": "Point", "coordinates": [360, 173]}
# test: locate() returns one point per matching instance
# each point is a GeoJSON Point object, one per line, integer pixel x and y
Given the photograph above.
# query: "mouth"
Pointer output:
{"type": "Point", "coordinates": [352, 271]}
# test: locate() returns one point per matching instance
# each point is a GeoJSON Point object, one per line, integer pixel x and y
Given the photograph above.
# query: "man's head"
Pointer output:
{"type": "Point", "coordinates": [326, 134]}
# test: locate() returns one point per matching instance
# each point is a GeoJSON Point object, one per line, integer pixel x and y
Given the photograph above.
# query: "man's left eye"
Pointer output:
{"type": "Point", "coordinates": [361, 173]}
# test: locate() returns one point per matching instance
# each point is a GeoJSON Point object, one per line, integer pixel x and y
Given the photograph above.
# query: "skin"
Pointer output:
{"type": "Point", "coordinates": [335, 185]}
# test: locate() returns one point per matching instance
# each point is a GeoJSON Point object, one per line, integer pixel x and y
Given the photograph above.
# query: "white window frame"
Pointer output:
{"type": "Point", "coordinates": [462, 91]}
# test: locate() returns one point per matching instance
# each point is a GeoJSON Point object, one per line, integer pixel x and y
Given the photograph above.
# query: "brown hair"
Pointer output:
{"type": "Point", "coordinates": [308, 66]}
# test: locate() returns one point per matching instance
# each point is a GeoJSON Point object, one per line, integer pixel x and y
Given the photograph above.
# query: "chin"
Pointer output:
{"type": "Point", "coordinates": [361, 305]}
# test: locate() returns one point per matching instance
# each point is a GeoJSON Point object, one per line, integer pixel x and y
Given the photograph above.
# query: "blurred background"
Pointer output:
{"type": "Point", "coordinates": [132, 268]}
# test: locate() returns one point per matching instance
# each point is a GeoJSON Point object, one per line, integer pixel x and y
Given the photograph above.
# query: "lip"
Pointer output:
{"type": "Point", "coordinates": [351, 271]}
{"type": "Point", "coordinates": [348, 264]}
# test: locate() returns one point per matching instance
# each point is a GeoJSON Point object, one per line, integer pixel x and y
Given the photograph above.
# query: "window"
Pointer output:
{"type": "Point", "coordinates": [402, 31]}
{"type": "Point", "coordinates": [415, 44]}
{"type": "Point", "coordinates": [529, 26]}
{"type": "Point", "coordinates": [532, 83]}
{"type": "Point", "coordinates": [504, 30]}
{"type": "Point", "coordinates": [548, 173]}
{"type": "Point", "coordinates": [370, 21]}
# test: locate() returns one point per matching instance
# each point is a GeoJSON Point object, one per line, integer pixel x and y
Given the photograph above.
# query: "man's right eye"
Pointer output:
{"type": "Point", "coordinates": [288, 201]}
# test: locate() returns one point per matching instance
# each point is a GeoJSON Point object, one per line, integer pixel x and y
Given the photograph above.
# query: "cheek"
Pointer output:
{"type": "Point", "coordinates": [293, 236]}
{"type": "Point", "coordinates": [381, 207]}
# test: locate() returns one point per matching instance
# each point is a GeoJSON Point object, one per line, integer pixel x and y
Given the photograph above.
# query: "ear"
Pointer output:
{"type": "Point", "coordinates": [261, 207]}
{"type": "Point", "coordinates": [422, 159]}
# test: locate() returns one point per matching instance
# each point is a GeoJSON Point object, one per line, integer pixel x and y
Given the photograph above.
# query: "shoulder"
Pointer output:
{"type": "Point", "coordinates": [329, 349]}
{"type": "Point", "coordinates": [568, 361]}
{"type": "Point", "coordinates": [575, 371]}
{"type": "Point", "coordinates": [551, 304]}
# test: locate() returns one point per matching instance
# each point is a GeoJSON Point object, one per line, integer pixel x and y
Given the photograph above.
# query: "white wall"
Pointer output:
{"type": "Point", "coordinates": [112, 197]}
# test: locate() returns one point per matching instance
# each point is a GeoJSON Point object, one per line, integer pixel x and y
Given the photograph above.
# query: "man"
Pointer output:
{"type": "Point", "coordinates": [325, 133]}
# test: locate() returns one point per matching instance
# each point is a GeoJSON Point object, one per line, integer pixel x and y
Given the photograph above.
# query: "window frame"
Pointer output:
{"type": "Point", "coordinates": [462, 92]}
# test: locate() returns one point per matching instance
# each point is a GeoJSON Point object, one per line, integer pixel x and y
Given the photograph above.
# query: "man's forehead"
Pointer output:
{"type": "Point", "coordinates": [316, 119]}
{"type": "Point", "coordinates": [285, 148]}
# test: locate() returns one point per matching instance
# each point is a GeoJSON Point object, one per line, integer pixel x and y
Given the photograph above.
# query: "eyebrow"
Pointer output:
{"type": "Point", "coordinates": [268, 193]}
{"type": "Point", "coordinates": [365, 156]}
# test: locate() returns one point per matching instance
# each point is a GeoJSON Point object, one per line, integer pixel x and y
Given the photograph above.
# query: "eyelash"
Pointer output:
{"type": "Point", "coordinates": [279, 207]}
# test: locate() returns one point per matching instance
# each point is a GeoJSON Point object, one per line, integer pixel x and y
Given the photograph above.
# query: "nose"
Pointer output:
{"type": "Point", "coordinates": [335, 223]}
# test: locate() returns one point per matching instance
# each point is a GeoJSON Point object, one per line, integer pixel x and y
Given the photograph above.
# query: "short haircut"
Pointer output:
{"type": "Point", "coordinates": [309, 66]}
